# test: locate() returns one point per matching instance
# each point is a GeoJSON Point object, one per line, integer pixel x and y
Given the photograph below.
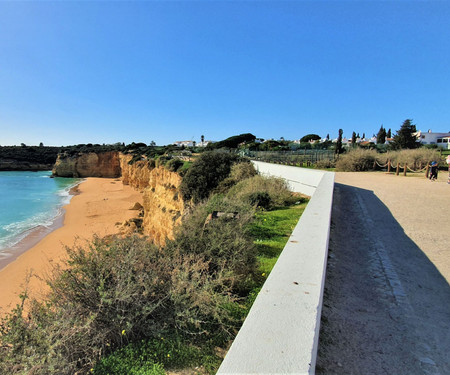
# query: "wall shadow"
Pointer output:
{"type": "Point", "coordinates": [386, 306]}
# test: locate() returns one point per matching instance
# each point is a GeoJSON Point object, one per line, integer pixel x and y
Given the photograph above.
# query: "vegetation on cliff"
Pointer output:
{"type": "Point", "coordinates": [125, 305]}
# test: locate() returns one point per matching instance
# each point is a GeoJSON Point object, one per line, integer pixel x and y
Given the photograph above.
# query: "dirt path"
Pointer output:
{"type": "Point", "coordinates": [387, 295]}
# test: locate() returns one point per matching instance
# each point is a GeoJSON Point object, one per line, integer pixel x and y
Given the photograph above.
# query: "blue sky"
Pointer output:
{"type": "Point", "coordinates": [113, 71]}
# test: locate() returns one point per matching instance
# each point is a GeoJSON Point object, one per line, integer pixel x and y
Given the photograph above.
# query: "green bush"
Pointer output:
{"type": "Point", "coordinates": [111, 293]}
{"type": "Point", "coordinates": [356, 160]}
{"type": "Point", "coordinates": [224, 243]}
{"type": "Point", "coordinates": [174, 165]}
{"type": "Point", "coordinates": [260, 199]}
{"type": "Point", "coordinates": [205, 174]}
{"type": "Point", "coordinates": [276, 188]}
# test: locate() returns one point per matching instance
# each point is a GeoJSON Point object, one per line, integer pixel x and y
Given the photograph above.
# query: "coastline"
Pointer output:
{"type": "Point", "coordinates": [33, 236]}
{"type": "Point", "coordinates": [97, 204]}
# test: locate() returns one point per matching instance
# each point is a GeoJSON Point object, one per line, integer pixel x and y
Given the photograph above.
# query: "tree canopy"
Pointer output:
{"type": "Point", "coordinates": [309, 137]}
{"type": "Point", "coordinates": [381, 136]}
{"type": "Point", "coordinates": [405, 137]}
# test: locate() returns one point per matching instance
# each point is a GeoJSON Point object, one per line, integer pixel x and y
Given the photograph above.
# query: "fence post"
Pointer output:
{"type": "Point", "coordinates": [397, 171]}
{"type": "Point", "coordinates": [404, 169]}
{"type": "Point", "coordinates": [428, 171]}
{"type": "Point", "coordinates": [389, 165]}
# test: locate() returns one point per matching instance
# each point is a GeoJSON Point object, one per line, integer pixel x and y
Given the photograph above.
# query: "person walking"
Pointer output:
{"type": "Point", "coordinates": [433, 170]}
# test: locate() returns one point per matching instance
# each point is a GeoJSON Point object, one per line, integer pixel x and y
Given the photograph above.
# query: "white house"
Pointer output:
{"type": "Point", "coordinates": [184, 143]}
{"type": "Point", "coordinates": [429, 138]}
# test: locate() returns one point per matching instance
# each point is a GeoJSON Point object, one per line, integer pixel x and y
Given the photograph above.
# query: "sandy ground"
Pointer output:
{"type": "Point", "coordinates": [100, 204]}
{"type": "Point", "coordinates": [387, 295]}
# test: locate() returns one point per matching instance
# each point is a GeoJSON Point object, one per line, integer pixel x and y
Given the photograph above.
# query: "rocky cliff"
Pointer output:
{"type": "Point", "coordinates": [163, 205]}
{"type": "Point", "coordinates": [105, 164]}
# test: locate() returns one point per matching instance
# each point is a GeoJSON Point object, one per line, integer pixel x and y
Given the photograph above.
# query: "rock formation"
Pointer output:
{"type": "Point", "coordinates": [162, 206]}
{"type": "Point", "coordinates": [105, 164]}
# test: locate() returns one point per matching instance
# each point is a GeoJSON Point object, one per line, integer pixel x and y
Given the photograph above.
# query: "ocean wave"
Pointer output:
{"type": "Point", "coordinates": [14, 232]}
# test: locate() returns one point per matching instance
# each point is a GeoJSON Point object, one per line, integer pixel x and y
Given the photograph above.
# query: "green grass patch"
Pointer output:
{"type": "Point", "coordinates": [271, 230]}
{"type": "Point", "coordinates": [152, 357]}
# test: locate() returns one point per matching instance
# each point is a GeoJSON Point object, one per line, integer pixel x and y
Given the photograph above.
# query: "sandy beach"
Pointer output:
{"type": "Point", "coordinates": [96, 208]}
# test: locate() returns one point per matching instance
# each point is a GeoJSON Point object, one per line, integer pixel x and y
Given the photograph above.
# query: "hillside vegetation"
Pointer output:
{"type": "Point", "coordinates": [121, 305]}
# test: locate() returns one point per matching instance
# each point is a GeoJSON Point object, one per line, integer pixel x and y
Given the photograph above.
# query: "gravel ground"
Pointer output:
{"type": "Point", "coordinates": [387, 295]}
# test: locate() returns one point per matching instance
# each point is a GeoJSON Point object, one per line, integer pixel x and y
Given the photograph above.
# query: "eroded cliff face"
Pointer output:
{"type": "Point", "coordinates": [105, 164]}
{"type": "Point", "coordinates": [163, 205]}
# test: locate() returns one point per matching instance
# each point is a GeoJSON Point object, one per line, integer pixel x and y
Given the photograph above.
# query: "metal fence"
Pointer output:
{"type": "Point", "coordinates": [298, 157]}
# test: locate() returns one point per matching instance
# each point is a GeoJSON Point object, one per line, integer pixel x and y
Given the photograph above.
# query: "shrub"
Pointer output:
{"type": "Point", "coordinates": [223, 242]}
{"type": "Point", "coordinates": [416, 158]}
{"type": "Point", "coordinates": [111, 293]}
{"type": "Point", "coordinates": [242, 170]}
{"type": "Point", "coordinates": [356, 160]}
{"type": "Point", "coordinates": [239, 171]}
{"type": "Point", "coordinates": [259, 199]}
{"type": "Point", "coordinates": [205, 174]}
{"type": "Point", "coordinates": [276, 188]}
{"type": "Point", "coordinates": [325, 164]}
{"type": "Point", "coordinates": [174, 165]}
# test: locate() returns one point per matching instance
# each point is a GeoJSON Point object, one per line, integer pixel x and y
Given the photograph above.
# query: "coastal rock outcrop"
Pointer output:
{"type": "Point", "coordinates": [163, 205]}
{"type": "Point", "coordinates": [104, 164]}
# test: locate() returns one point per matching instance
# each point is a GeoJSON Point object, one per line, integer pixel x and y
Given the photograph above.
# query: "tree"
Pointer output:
{"type": "Point", "coordinates": [381, 136]}
{"type": "Point", "coordinates": [328, 137]}
{"type": "Point", "coordinates": [353, 139]}
{"type": "Point", "coordinates": [389, 134]}
{"type": "Point", "coordinates": [203, 139]}
{"type": "Point", "coordinates": [339, 143]}
{"type": "Point", "coordinates": [41, 144]}
{"type": "Point", "coordinates": [309, 137]}
{"type": "Point", "coordinates": [364, 136]}
{"type": "Point", "coordinates": [405, 137]}
{"type": "Point", "coordinates": [205, 174]}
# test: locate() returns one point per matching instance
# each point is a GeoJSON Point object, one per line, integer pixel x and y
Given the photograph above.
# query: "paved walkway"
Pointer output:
{"type": "Point", "coordinates": [387, 295]}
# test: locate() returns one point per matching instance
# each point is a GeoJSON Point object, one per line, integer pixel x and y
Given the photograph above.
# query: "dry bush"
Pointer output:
{"type": "Point", "coordinates": [325, 164]}
{"type": "Point", "coordinates": [242, 170]}
{"type": "Point", "coordinates": [356, 160]}
{"type": "Point", "coordinates": [416, 158]}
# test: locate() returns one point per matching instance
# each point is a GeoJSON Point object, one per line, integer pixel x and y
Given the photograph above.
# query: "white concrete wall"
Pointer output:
{"type": "Point", "coordinates": [300, 180]}
{"type": "Point", "coordinates": [281, 332]}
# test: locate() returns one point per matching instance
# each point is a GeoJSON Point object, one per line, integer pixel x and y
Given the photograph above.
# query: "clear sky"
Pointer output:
{"type": "Point", "coordinates": [115, 71]}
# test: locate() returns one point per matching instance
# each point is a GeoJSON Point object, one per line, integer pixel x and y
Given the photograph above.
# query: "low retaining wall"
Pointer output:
{"type": "Point", "coordinates": [281, 332]}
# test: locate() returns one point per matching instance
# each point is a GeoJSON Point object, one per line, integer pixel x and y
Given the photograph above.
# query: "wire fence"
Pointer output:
{"type": "Point", "coordinates": [298, 157]}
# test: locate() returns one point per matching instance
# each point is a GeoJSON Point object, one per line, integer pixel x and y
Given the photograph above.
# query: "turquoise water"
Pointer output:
{"type": "Point", "coordinates": [29, 200]}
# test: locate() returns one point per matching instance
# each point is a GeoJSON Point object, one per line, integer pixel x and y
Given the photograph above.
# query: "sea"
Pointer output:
{"type": "Point", "coordinates": [28, 201]}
